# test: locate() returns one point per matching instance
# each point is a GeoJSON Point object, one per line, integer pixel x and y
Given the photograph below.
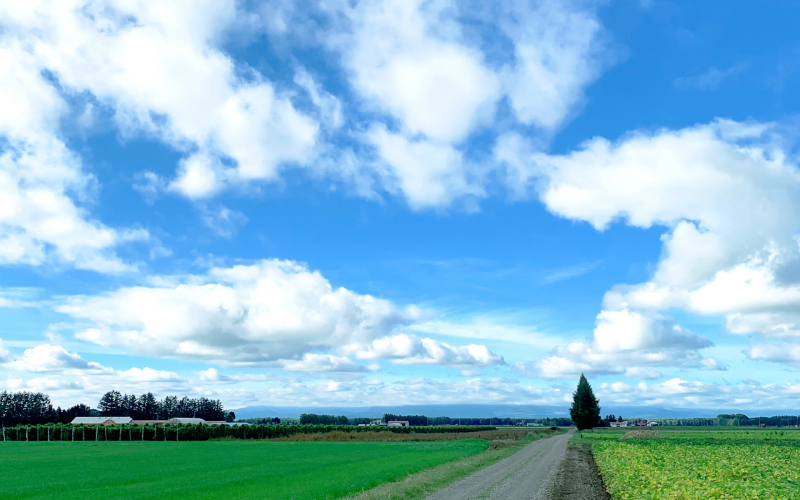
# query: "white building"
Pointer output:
{"type": "Point", "coordinates": [193, 421]}
{"type": "Point", "coordinates": [397, 423]}
{"type": "Point", "coordinates": [619, 424]}
{"type": "Point", "coordinates": [102, 420]}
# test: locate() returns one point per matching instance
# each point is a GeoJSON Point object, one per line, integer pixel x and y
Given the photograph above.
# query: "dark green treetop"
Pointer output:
{"type": "Point", "coordinates": [585, 410]}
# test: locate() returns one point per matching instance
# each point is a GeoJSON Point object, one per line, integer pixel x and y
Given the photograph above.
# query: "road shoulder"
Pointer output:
{"type": "Point", "coordinates": [577, 477]}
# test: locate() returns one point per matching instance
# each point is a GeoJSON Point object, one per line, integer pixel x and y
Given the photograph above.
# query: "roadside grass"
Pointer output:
{"type": "Point", "coordinates": [237, 470]}
{"type": "Point", "coordinates": [429, 481]}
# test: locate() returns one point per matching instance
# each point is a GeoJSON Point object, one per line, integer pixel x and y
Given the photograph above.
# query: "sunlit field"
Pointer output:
{"type": "Point", "coordinates": [215, 469]}
{"type": "Point", "coordinates": [681, 463]}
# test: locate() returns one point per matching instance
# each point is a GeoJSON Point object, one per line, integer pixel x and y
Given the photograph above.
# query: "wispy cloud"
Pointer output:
{"type": "Point", "coordinates": [570, 272]}
{"type": "Point", "coordinates": [709, 80]}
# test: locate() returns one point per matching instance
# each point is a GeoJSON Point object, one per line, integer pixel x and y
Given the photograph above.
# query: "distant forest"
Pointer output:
{"type": "Point", "coordinates": [36, 408]}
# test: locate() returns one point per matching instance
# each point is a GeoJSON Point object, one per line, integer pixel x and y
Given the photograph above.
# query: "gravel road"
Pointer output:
{"type": "Point", "coordinates": [520, 476]}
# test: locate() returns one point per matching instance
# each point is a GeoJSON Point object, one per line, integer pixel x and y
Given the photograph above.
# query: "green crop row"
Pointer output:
{"type": "Point", "coordinates": [188, 432]}
{"type": "Point", "coordinates": [650, 469]}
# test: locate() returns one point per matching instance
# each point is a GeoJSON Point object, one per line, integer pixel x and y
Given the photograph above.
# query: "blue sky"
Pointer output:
{"type": "Point", "coordinates": [384, 203]}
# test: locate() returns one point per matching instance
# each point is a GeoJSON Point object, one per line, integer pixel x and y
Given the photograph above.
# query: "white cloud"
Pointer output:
{"type": "Point", "coordinates": [718, 257]}
{"type": "Point", "coordinates": [323, 363]}
{"type": "Point", "coordinates": [411, 350]}
{"type": "Point", "coordinates": [627, 343]}
{"type": "Point", "coordinates": [212, 375]}
{"type": "Point", "coordinates": [405, 61]}
{"type": "Point", "coordinates": [199, 176]}
{"type": "Point", "coordinates": [269, 311]}
{"type": "Point", "coordinates": [5, 356]}
{"type": "Point", "coordinates": [559, 50]}
{"type": "Point", "coordinates": [428, 173]}
{"type": "Point", "coordinates": [787, 353]}
{"type": "Point", "coordinates": [161, 71]}
{"type": "Point", "coordinates": [425, 70]}
{"type": "Point", "coordinates": [69, 379]}
{"type": "Point", "coordinates": [49, 358]}
{"type": "Point", "coordinates": [681, 393]}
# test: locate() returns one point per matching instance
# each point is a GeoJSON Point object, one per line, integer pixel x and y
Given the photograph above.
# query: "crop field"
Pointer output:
{"type": "Point", "coordinates": [699, 464]}
{"type": "Point", "coordinates": [215, 469]}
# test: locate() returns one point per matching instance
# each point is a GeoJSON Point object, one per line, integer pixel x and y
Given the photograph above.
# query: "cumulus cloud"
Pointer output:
{"type": "Point", "coordinates": [161, 73]}
{"type": "Point", "coordinates": [627, 343]}
{"type": "Point", "coordinates": [787, 353]}
{"type": "Point", "coordinates": [411, 350]}
{"type": "Point", "coordinates": [423, 80]}
{"type": "Point", "coordinates": [719, 257]}
{"type": "Point", "coordinates": [247, 314]}
{"type": "Point", "coordinates": [69, 379]}
{"type": "Point", "coordinates": [424, 73]}
{"type": "Point", "coordinates": [49, 358]}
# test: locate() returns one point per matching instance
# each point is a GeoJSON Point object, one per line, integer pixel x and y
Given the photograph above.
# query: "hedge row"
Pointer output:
{"type": "Point", "coordinates": [189, 432]}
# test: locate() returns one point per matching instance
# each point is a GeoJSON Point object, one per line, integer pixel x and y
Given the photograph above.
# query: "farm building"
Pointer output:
{"type": "Point", "coordinates": [652, 424]}
{"type": "Point", "coordinates": [535, 424]}
{"type": "Point", "coordinates": [193, 421]}
{"type": "Point", "coordinates": [149, 422]}
{"type": "Point", "coordinates": [619, 424]}
{"type": "Point", "coordinates": [397, 423]}
{"type": "Point", "coordinates": [101, 420]}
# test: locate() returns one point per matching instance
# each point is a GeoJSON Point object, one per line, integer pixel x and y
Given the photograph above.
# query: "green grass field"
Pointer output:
{"type": "Point", "coordinates": [216, 469]}
{"type": "Point", "coordinates": [703, 463]}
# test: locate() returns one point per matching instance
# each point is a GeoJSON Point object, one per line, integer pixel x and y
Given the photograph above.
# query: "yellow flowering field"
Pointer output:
{"type": "Point", "coordinates": [675, 468]}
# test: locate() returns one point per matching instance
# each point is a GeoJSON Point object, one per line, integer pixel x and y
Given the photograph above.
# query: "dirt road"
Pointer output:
{"type": "Point", "coordinates": [520, 476]}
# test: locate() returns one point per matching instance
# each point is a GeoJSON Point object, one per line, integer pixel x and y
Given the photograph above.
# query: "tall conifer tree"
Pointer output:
{"type": "Point", "coordinates": [585, 411]}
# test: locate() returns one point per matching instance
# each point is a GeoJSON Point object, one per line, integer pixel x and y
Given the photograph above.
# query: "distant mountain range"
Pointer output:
{"type": "Point", "coordinates": [486, 411]}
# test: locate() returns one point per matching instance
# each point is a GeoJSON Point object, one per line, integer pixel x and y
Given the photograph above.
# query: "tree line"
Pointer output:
{"type": "Point", "coordinates": [191, 432]}
{"type": "Point", "coordinates": [314, 419]}
{"type": "Point", "coordinates": [147, 407]}
{"type": "Point", "coordinates": [31, 408]}
{"type": "Point", "coordinates": [422, 420]}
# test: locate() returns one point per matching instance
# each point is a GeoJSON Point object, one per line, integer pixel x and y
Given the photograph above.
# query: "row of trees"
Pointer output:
{"type": "Point", "coordinates": [737, 419]}
{"type": "Point", "coordinates": [31, 408]}
{"type": "Point", "coordinates": [314, 419]}
{"type": "Point", "coordinates": [421, 420]}
{"type": "Point", "coordinates": [147, 407]}
{"type": "Point", "coordinates": [35, 408]}
{"type": "Point", "coordinates": [188, 432]}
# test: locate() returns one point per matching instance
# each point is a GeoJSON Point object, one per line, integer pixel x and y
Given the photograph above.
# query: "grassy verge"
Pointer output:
{"type": "Point", "coordinates": [427, 482]}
